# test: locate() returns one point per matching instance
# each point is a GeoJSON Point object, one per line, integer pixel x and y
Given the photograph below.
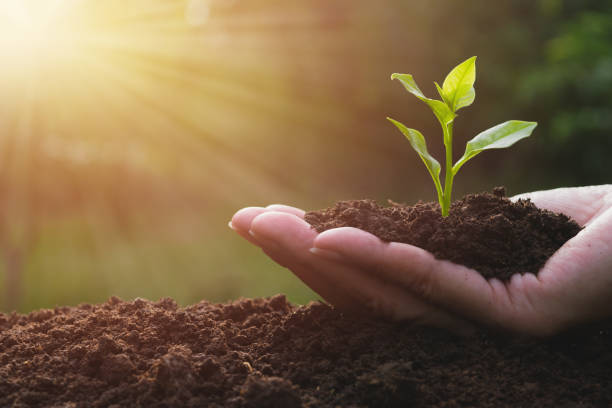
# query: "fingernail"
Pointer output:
{"type": "Point", "coordinates": [229, 224]}
{"type": "Point", "coordinates": [327, 254]}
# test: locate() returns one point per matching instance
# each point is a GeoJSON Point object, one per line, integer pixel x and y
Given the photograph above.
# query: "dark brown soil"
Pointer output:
{"type": "Point", "coordinates": [267, 353]}
{"type": "Point", "coordinates": [486, 232]}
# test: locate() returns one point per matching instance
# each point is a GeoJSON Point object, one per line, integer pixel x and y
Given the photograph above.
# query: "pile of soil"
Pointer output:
{"type": "Point", "coordinates": [268, 353]}
{"type": "Point", "coordinates": [486, 232]}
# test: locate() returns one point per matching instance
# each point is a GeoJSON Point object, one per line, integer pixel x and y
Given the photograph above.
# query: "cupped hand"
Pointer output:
{"type": "Point", "coordinates": [356, 271]}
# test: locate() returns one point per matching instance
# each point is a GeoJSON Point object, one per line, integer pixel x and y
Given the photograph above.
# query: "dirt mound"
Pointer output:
{"type": "Point", "coordinates": [268, 353]}
{"type": "Point", "coordinates": [486, 232]}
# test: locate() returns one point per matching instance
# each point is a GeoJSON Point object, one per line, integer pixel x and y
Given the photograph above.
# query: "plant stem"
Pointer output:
{"type": "Point", "coordinates": [448, 180]}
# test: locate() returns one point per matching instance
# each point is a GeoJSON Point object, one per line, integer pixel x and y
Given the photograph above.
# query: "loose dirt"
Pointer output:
{"type": "Point", "coordinates": [486, 232]}
{"type": "Point", "coordinates": [268, 353]}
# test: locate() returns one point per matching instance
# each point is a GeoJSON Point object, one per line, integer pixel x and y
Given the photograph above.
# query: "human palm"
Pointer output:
{"type": "Point", "coordinates": [355, 271]}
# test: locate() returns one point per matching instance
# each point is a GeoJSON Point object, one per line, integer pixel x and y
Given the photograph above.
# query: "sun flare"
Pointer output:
{"type": "Point", "coordinates": [32, 33]}
{"type": "Point", "coordinates": [140, 82]}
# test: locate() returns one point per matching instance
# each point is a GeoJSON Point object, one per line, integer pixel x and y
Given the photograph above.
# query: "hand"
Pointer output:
{"type": "Point", "coordinates": [285, 237]}
{"type": "Point", "coordinates": [356, 271]}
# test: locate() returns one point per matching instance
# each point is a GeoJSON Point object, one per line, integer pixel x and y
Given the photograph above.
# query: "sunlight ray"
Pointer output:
{"type": "Point", "coordinates": [245, 92]}
{"type": "Point", "coordinates": [211, 163]}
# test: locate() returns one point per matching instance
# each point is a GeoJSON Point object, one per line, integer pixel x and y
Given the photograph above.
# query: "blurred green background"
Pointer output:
{"type": "Point", "coordinates": [131, 131]}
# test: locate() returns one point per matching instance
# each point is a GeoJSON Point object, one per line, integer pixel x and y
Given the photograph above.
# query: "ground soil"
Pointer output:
{"type": "Point", "coordinates": [268, 353]}
{"type": "Point", "coordinates": [486, 232]}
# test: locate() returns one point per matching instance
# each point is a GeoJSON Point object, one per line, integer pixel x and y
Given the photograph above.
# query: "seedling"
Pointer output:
{"type": "Point", "coordinates": [457, 92]}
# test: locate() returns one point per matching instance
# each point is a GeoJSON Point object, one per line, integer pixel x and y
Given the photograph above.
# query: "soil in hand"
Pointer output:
{"type": "Point", "coordinates": [268, 353]}
{"type": "Point", "coordinates": [486, 232]}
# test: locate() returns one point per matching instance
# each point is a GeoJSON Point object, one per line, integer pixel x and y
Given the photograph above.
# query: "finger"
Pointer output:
{"type": "Point", "coordinates": [453, 287]}
{"type": "Point", "coordinates": [287, 239]}
{"type": "Point", "coordinates": [283, 230]}
{"type": "Point", "coordinates": [241, 221]}
{"type": "Point", "coordinates": [287, 209]}
{"type": "Point", "coordinates": [580, 203]}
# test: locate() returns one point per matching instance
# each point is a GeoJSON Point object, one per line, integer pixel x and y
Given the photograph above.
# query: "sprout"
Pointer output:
{"type": "Point", "coordinates": [457, 92]}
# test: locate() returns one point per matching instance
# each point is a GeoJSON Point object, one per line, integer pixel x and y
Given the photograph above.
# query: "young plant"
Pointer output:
{"type": "Point", "coordinates": [457, 92]}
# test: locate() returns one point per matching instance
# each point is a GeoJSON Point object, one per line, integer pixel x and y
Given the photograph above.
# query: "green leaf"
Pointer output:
{"type": "Point", "coordinates": [417, 141]}
{"type": "Point", "coordinates": [458, 86]}
{"type": "Point", "coordinates": [439, 108]}
{"type": "Point", "coordinates": [441, 93]}
{"type": "Point", "coordinates": [498, 137]}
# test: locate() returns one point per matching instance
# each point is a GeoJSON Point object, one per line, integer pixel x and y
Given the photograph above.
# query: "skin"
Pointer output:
{"type": "Point", "coordinates": [357, 272]}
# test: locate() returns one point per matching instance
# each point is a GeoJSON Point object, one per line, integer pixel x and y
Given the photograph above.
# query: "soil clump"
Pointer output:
{"type": "Point", "coordinates": [486, 232]}
{"type": "Point", "coordinates": [269, 353]}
